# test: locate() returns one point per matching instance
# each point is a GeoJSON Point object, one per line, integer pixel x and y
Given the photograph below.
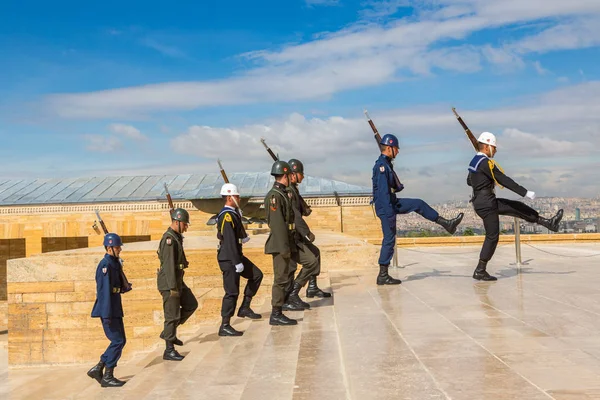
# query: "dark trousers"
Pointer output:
{"type": "Point", "coordinates": [231, 283]}
{"type": "Point", "coordinates": [309, 256]}
{"type": "Point", "coordinates": [489, 208]}
{"type": "Point", "coordinates": [281, 278]}
{"type": "Point", "coordinates": [388, 224]}
{"type": "Point", "coordinates": [177, 310]}
{"type": "Point", "coordinates": [405, 206]}
{"type": "Point", "coordinates": [115, 332]}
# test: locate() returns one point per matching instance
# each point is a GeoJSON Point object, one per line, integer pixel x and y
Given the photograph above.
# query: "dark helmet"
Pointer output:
{"type": "Point", "coordinates": [179, 214]}
{"type": "Point", "coordinates": [280, 168]}
{"type": "Point", "coordinates": [112, 240]}
{"type": "Point", "coordinates": [296, 166]}
{"type": "Point", "coordinates": [389, 140]}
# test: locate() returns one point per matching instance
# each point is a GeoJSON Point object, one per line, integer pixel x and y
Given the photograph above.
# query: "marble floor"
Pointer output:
{"type": "Point", "coordinates": [533, 334]}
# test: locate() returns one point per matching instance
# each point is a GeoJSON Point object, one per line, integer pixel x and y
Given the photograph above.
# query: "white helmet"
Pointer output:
{"type": "Point", "coordinates": [229, 189]}
{"type": "Point", "coordinates": [487, 138]}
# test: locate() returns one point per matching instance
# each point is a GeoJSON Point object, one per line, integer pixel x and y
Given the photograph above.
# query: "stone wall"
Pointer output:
{"type": "Point", "coordinates": [353, 217]}
{"type": "Point", "coordinates": [51, 297]}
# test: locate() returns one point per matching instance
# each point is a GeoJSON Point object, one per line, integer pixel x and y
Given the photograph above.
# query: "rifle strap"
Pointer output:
{"type": "Point", "coordinates": [493, 164]}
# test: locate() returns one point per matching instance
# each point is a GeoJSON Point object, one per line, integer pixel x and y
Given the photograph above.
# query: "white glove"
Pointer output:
{"type": "Point", "coordinates": [531, 195]}
{"type": "Point", "coordinates": [239, 268]}
{"type": "Point", "coordinates": [246, 239]}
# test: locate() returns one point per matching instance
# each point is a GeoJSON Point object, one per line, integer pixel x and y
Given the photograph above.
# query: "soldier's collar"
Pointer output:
{"type": "Point", "coordinates": [279, 185]}
{"type": "Point", "coordinates": [110, 257]}
{"type": "Point", "coordinates": [175, 232]}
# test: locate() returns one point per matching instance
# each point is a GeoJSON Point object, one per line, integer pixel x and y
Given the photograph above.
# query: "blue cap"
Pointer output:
{"type": "Point", "coordinates": [112, 240]}
{"type": "Point", "coordinates": [389, 140]}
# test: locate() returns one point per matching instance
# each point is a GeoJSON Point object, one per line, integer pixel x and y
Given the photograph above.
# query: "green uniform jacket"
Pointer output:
{"type": "Point", "coordinates": [172, 261]}
{"type": "Point", "coordinates": [280, 216]}
{"type": "Point", "coordinates": [302, 229]}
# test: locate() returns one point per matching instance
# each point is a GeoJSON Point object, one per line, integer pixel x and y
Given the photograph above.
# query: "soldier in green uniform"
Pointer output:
{"type": "Point", "coordinates": [308, 254]}
{"type": "Point", "coordinates": [179, 303]}
{"type": "Point", "coordinates": [280, 243]}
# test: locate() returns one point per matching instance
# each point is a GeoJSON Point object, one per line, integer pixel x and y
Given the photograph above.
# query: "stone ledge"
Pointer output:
{"type": "Point", "coordinates": [472, 240]}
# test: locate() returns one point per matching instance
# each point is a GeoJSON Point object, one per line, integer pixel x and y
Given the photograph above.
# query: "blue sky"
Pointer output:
{"type": "Point", "coordinates": [148, 87]}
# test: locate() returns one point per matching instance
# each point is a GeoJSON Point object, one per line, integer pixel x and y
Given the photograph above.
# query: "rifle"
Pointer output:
{"type": "Point", "coordinates": [376, 134]}
{"type": "Point", "coordinates": [275, 158]}
{"type": "Point", "coordinates": [223, 173]}
{"type": "Point", "coordinates": [126, 286]}
{"type": "Point", "coordinates": [169, 199]}
{"type": "Point", "coordinates": [467, 130]}
{"type": "Point", "coordinates": [377, 137]}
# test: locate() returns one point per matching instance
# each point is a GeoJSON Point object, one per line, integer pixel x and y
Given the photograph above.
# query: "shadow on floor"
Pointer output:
{"type": "Point", "coordinates": [433, 274]}
{"type": "Point", "coordinates": [514, 271]}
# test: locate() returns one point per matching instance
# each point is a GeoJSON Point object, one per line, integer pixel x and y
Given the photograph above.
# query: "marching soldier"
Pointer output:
{"type": "Point", "coordinates": [179, 303]}
{"type": "Point", "coordinates": [280, 243]}
{"type": "Point", "coordinates": [387, 206]}
{"type": "Point", "coordinates": [484, 174]}
{"type": "Point", "coordinates": [233, 263]}
{"type": "Point", "coordinates": [109, 309]}
{"type": "Point", "coordinates": [308, 254]}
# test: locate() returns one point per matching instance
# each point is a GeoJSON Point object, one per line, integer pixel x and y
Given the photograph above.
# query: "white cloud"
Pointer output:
{"type": "Point", "coordinates": [363, 55]}
{"type": "Point", "coordinates": [127, 131]}
{"type": "Point", "coordinates": [102, 144]}
{"type": "Point", "coordinates": [555, 132]}
{"type": "Point", "coordinates": [539, 69]}
{"type": "Point", "coordinates": [162, 48]}
{"type": "Point", "coordinates": [519, 142]}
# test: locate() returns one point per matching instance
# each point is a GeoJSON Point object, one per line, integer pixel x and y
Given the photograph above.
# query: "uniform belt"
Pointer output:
{"type": "Point", "coordinates": [116, 290]}
{"type": "Point", "coordinates": [484, 191]}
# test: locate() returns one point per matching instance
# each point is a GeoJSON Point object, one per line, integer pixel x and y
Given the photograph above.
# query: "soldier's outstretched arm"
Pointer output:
{"type": "Point", "coordinates": [504, 180]}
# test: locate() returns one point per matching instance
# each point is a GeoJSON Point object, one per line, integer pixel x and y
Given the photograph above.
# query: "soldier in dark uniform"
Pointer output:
{"type": "Point", "coordinates": [233, 263]}
{"type": "Point", "coordinates": [308, 254]}
{"type": "Point", "coordinates": [179, 303]}
{"type": "Point", "coordinates": [387, 206]}
{"type": "Point", "coordinates": [108, 307]}
{"type": "Point", "coordinates": [280, 243]}
{"type": "Point", "coordinates": [484, 174]}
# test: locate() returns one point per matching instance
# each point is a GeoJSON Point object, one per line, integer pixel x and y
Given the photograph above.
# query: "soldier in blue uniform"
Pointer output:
{"type": "Point", "coordinates": [108, 307]}
{"type": "Point", "coordinates": [388, 205]}
{"type": "Point", "coordinates": [233, 263]}
{"type": "Point", "coordinates": [484, 175]}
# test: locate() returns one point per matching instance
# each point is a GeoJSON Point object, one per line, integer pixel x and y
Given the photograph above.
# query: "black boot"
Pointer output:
{"type": "Point", "coordinates": [384, 279]}
{"type": "Point", "coordinates": [175, 341]}
{"type": "Point", "coordinates": [294, 296]}
{"type": "Point", "coordinates": [552, 223]}
{"type": "Point", "coordinates": [108, 380]}
{"type": "Point", "coordinates": [245, 311]}
{"type": "Point", "coordinates": [313, 290]}
{"type": "Point", "coordinates": [171, 354]}
{"type": "Point", "coordinates": [278, 318]}
{"type": "Point", "coordinates": [97, 371]}
{"type": "Point", "coordinates": [288, 306]}
{"type": "Point", "coordinates": [227, 330]}
{"type": "Point", "coordinates": [481, 274]}
{"type": "Point", "coordinates": [450, 225]}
